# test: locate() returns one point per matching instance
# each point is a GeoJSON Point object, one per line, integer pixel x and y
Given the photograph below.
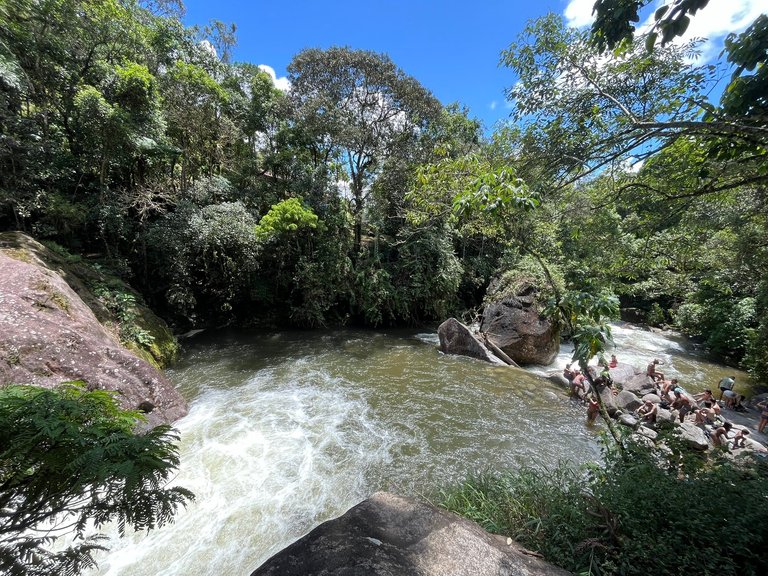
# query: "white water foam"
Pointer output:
{"type": "Point", "coordinates": [283, 459]}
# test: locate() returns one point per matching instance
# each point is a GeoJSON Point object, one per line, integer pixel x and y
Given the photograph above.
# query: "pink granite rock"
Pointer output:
{"type": "Point", "coordinates": [48, 335]}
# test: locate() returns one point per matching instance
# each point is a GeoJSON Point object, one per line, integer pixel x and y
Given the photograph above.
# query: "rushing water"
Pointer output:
{"type": "Point", "coordinates": [290, 429]}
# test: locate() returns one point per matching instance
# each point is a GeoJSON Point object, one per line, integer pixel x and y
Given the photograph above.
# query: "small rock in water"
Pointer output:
{"type": "Point", "coordinates": [375, 541]}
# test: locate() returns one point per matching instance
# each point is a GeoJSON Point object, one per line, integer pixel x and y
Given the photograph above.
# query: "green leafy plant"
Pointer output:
{"type": "Point", "coordinates": [641, 512]}
{"type": "Point", "coordinates": [70, 457]}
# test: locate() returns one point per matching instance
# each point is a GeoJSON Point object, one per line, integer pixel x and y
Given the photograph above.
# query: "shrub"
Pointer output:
{"type": "Point", "coordinates": [70, 457]}
{"type": "Point", "coordinates": [639, 513]}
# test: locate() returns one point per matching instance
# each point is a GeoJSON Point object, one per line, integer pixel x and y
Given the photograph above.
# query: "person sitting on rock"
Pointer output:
{"type": "Point", "coordinates": [614, 362]}
{"type": "Point", "coordinates": [707, 414]}
{"type": "Point", "coordinates": [740, 440]}
{"type": "Point", "coordinates": [648, 411]}
{"type": "Point", "coordinates": [682, 404]}
{"type": "Point", "coordinates": [569, 373]}
{"type": "Point", "coordinates": [720, 436]}
{"type": "Point", "coordinates": [705, 397]}
{"type": "Point", "coordinates": [653, 373]}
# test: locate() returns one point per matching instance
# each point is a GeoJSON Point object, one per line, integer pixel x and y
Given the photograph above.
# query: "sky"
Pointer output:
{"type": "Point", "coordinates": [451, 47]}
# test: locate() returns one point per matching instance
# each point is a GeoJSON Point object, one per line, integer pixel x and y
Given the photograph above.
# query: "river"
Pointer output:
{"type": "Point", "coordinates": [289, 429]}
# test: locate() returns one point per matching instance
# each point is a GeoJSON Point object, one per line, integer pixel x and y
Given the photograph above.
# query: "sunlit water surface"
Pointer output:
{"type": "Point", "coordinates": [287, 430]}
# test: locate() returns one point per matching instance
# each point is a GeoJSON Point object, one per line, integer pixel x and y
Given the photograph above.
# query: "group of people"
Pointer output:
{"type": "Point", "coordinates": [579, 384]}
{"type": "Point", "coordinates": [702, 409]}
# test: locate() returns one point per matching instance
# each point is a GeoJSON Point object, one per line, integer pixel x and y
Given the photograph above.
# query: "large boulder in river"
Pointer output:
{"type": "Point", "coordinates": [693, 436]}
{"type": "Point", "coordinates": [639, 385]}
{"type": "Point", "coordinates": [392, 535]}
{"type": "Point", "coordinates": [455, 338]}
{"type": "Point", "coordinates": [51, 336]}
{"type": "Point", "coordinates": [627, 402]}
{"type": "Point", "coordinates": [515, 325]}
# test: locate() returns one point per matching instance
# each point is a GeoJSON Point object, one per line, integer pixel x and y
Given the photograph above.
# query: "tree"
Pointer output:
{"type": "Point", "coordinates": [70, 457]}
{"type": "Point", "coordinates": [357, 110]}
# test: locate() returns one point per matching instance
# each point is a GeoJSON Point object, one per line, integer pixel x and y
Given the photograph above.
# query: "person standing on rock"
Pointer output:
{"type": "Point", "coordinates": [578, 384]}
{"type": "Point", "coordinates": [726, 383]}
{"type": "Point", "coordinates": [763, 415]}
{"type": "Point", "coordinates": [720, 437]}
{"type": "Point", "coordinates": [651, 371]}
{"type": "Point", "coordinates": [593, 409]}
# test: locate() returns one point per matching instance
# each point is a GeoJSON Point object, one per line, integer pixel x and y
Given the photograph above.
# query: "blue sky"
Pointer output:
{"type": "Point", "coordinates": [452, 47]}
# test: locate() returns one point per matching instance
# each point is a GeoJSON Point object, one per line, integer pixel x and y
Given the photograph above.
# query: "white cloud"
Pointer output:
{"type": "Point", "coordinates": [715, 21]}
{"type": "Point", "coordinates": [493, 105]}
{"type": "Point", "coordinates": [280, 83]}
{"type": "Point", "coordinates": [718, 19]}
{"type": "Point", "coordinates": [578, 13]}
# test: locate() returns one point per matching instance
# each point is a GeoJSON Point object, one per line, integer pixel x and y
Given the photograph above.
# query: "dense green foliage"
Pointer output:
{"type": "Point", "coordinates": [355, 197]}
{"type": "Point", "coordinates": [70, 458]}
{"type": "Point", "coordinates": [642, 512]}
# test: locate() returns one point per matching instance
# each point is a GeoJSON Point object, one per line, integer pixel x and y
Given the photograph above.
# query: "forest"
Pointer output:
{"type": "Point", "coordinates": [357, 198]}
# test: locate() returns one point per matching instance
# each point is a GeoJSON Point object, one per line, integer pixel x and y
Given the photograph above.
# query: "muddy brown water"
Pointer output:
{"type": "Point", "coordinates": [289, 429]}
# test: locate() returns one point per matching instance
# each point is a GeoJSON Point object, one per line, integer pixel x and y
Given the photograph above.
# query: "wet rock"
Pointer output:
{"type": "Point", "coordinates": [652, 397]}
{"type": "Point", "coordinates": [639, 385]}
{"type": "Point", "coordinates": [664, 415]}
{"type": "Point", "coordinates": [392, 535]}
{"type": "Point", "coordinates": [549, 395]}
{"type": "Point", "coordinates": [628, 420]}
{"type": "Point", "coordinates": [455, 338]}
{"type": "Point", "coordinates": [516, 327]}
{"type": "Point", "coordinates": [693, 436]}
{"type": "Point", "coordinates": [627, 402]}
{"type": "Point", "coordinates": [51, 336]}
{"type": "Point", "coordinates": [622, 373]}
{"type": "Point", "coordinates": [608, 399]}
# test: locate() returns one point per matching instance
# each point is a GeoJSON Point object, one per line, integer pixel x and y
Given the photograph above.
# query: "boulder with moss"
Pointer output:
{"type": "Point", "coordinates": [516, 325]}
{"type": "Point", "coordinates": [56, 329]}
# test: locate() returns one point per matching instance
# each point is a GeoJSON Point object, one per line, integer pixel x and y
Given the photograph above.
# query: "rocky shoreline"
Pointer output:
{"type": "Point", "coordinates": [632, 388]}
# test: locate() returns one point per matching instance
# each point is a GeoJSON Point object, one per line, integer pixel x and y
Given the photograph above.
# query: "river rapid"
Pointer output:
{"type": "Point", "coordinates": [289, 429]}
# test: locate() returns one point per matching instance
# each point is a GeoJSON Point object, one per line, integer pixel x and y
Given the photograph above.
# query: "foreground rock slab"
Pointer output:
{"type": "Point", "coordinates": [51, 336]}
{"type": "Point", "coordinates": [396, 536]}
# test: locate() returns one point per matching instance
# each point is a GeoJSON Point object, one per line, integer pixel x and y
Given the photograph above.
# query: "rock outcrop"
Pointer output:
{"type": "Point", "coordinates": [639, 384]}
{"type": "Point", "coordinates": [50, 336]}
{"type": "Point", "coordinates": [392, 535]}
{"type": "Point", "coordinates": [515, 325]}
{"type": "Point", "coordinates": [455, 338]}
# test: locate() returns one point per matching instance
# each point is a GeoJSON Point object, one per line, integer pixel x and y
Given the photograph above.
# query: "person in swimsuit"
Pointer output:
{"type": "Point", "coordinates": [720, 436]}
{"type": "Point", "coordinates": [578, 387]}
{"type": "Point", "coordinates": [763, 415]}
{"type": "Point", "coordinates": [593, 409]}
{"type": "Point", "coordinates": [682, 404]}
{"type": "Point", "coordinates": [740, 440]}
{"type": "Point", "coordinates": [653, 373]}
{"type": "Point", "coordinates": [648, 411]}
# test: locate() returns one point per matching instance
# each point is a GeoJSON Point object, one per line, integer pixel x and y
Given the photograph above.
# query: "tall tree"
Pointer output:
{"type": "Point", "coordinates": [358, 110]}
